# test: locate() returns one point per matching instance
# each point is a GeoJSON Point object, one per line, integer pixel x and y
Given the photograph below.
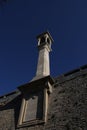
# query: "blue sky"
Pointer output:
{"type": "Point", "coordinates": [22, 20]}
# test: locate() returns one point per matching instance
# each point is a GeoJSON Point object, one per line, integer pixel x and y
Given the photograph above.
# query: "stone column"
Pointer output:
{"type": "Point", "coordinates": [44, 46]}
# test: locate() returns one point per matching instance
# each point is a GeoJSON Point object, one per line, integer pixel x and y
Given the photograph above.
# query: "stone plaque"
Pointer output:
{"type": "Point", "coordinates": [33, 107]}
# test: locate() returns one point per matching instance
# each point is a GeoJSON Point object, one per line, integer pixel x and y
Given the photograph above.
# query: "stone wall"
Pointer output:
{"type": "Point", "coordinates": [67, 105]}
{"type": "Point", "coordinates": [68, 109]}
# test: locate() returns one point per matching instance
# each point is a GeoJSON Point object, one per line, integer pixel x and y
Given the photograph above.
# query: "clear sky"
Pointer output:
{"type": "Point", "coordinates": [22, 20]}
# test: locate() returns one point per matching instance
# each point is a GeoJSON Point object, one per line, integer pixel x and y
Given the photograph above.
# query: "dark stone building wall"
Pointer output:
{"type": "Point", "coordinates": [67, 105]}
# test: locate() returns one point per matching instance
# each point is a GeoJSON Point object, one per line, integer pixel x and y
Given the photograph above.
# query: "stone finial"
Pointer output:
{"type": "Point", "coordinates": [45, 39]}
{"type": "Point", "coordinates": [44, 46]}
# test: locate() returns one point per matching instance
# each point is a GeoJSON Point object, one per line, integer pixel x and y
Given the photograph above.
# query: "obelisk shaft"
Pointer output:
{"type": "Point", "coordinates": [44, 47]}
{"type": "Point", "coordinates": [43, 67]}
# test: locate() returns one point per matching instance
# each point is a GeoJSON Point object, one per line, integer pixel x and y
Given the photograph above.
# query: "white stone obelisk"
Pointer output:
{"type": "Point", "coordinates": [44, 46]}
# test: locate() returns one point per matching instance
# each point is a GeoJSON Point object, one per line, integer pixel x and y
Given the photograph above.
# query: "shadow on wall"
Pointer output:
{"type": "Point", "coordinates": [9, 113]}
